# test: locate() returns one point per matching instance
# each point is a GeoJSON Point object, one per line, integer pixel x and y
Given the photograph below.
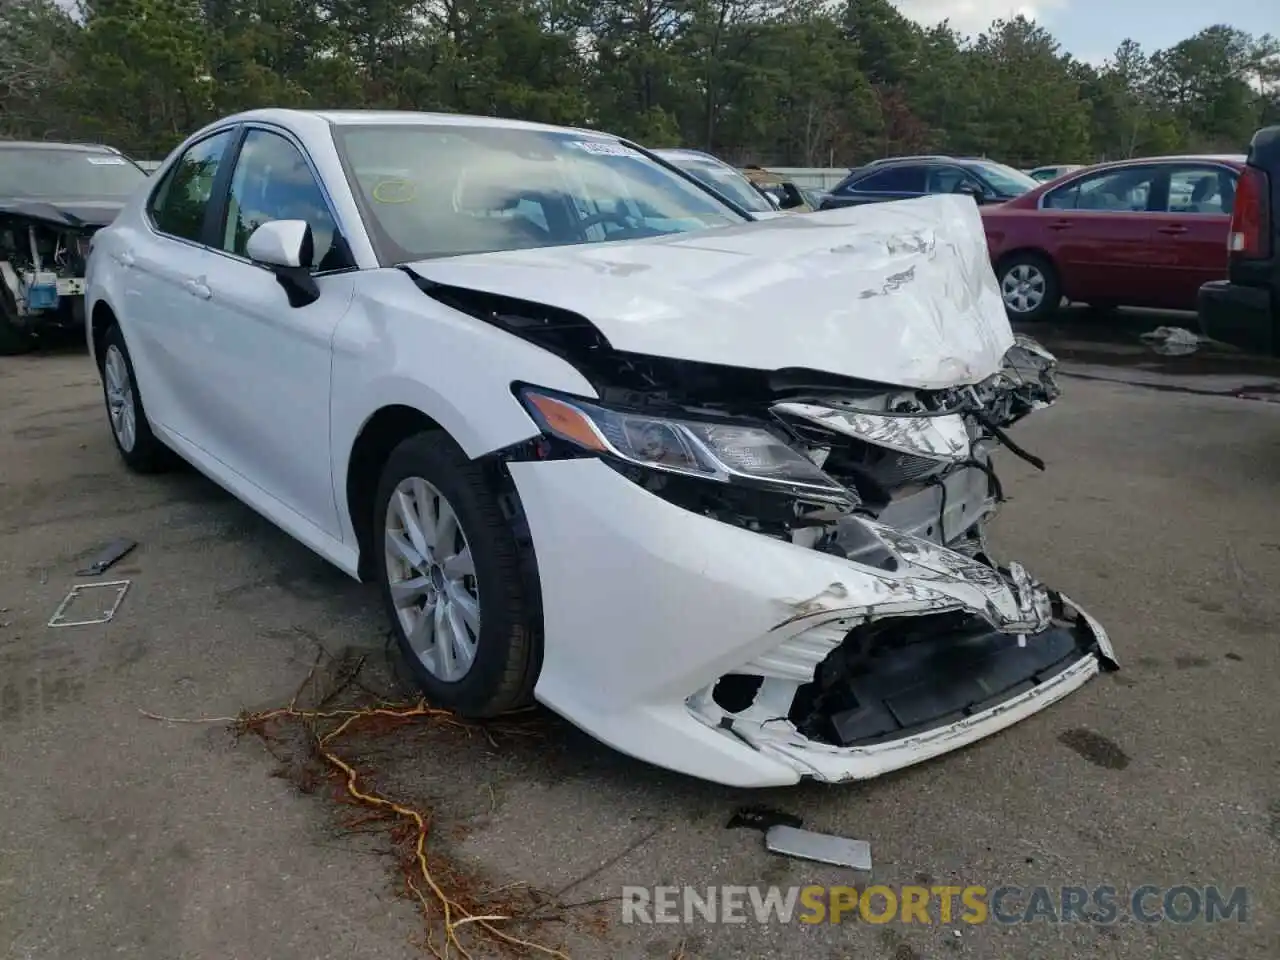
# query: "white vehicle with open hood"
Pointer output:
{"type": "Point", "coordinates": [714, 489]}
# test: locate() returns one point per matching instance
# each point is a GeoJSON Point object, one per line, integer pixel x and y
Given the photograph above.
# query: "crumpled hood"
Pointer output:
{"type": "Point", "coordinates": [71, 212]}
{"type": "Point", "coordinates": [900, 293]}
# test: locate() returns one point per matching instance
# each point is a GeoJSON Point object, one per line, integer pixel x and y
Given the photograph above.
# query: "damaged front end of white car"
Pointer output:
{"type": "Point", "coordinates": [757, 572]}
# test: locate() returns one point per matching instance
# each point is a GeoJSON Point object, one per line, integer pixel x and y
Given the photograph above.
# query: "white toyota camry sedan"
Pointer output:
{"type": "Point", "coordinates": [713, 487]}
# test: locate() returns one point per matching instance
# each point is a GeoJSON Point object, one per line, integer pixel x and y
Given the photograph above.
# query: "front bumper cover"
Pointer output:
{"type": "Point", "coordinates": [646, 606]}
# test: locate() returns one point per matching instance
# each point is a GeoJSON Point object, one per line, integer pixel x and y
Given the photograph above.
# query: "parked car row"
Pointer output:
{"type": "Point", "coordinates": [1148, 232]}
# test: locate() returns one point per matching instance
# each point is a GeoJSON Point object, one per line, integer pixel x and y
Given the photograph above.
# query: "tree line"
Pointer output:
{"type": "Point", "coordinates": [781, 82]}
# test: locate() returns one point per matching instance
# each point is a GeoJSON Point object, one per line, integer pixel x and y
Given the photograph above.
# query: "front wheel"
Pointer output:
{"type": "Point", "coordinates": [451, 581]}
{"type": "Point", "coordinates": [1029, 287]}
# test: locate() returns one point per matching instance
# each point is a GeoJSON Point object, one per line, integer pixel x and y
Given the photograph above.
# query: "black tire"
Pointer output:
{"type": "Point", "coordinates": [1049, 303]}
{"type": "Point", "coordinates": [14, 340]}
{"type": "Point", "coordinates": [147, 454]}
{"type": "Point", "coordinates": [508, 649]}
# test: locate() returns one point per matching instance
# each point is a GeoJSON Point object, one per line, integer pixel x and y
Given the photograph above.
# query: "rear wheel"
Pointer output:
{"type": "Point", "coordinates": [1029, 287]}
{"type": "Point", "coordinates": [138, 446]}
{"type": "Point", "coordinates": [451, 581]}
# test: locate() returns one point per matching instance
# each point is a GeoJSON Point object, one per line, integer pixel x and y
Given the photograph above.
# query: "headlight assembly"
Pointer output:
{"type": "Point", "coordinates": [720, 452]}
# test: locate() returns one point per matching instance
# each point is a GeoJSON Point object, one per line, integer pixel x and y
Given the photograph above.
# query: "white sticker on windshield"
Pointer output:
{"type": "Point", "coordinates": [106, 161]}
{"type": "Point", "coordinates": [604, 148]}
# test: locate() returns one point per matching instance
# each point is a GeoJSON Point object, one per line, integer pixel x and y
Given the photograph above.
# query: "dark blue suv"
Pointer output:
{"type": "Point", "coordinates": [901, 179]}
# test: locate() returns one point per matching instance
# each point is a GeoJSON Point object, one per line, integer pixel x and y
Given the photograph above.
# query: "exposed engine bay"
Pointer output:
{"type": "Point", "coordinates": [42, 262]}
{"type": "Point", "coordinates": [916, 486]}
{"type": "Point", "coordinates": [890, 447]}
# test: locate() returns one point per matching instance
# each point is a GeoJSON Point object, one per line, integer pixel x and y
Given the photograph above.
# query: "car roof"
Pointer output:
{"type": "Point", "coordinates": [342, 118]}
{"type": "Point", "coordinates": [1231, 159]}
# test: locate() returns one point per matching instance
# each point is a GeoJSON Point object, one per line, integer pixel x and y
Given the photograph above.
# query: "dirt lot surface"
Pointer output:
{"type": "Point", "coordinates": [123, 835]}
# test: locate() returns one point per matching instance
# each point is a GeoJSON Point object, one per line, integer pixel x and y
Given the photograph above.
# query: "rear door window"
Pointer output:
{"type": "Point", "coordinates": [904, 179]}
{"type": "Point", "coordinates": [1126, 190]}
{"type": "Point", "coordinates": [1207, 190]}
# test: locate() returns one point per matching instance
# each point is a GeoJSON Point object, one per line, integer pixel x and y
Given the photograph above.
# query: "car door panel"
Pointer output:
{"type": "Point", "coordinates": [1101, 236]}
{"type": "Point", "coordinates": [159, 304]}
{"type": "Point", "coordinates": [266, 414]}
{"type": "Point", "coordinates": [163, 259]}
{"type": "Point", "coordinates": [1102, 256]}
{"type": "Point", "coordinates": [1190, 244]}
{"type": "Point", "coordinates": [266, 419]}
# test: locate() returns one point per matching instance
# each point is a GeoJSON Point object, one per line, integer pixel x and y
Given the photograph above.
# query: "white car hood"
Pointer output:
{"type": "Point", "coordinates": [900, 293]}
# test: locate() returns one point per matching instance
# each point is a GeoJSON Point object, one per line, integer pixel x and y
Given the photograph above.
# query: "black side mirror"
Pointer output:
{"type": "Point", "coordinates": [792, 197]}
{"type": "Point", "coordinates": [965, 188]}
{"type": "Point", "coordinates": [287, 249]}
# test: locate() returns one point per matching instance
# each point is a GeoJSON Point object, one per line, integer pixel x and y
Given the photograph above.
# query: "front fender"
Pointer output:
{"type": "Point", "coordinates": [399, 347]}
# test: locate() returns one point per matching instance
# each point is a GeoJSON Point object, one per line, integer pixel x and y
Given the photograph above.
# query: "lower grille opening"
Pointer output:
{"type": "Point", "coordinates": [900, 676]}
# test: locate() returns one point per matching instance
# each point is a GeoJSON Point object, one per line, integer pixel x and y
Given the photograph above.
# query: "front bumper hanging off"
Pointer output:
{"type": "Point", "coordinates": [654, 610]}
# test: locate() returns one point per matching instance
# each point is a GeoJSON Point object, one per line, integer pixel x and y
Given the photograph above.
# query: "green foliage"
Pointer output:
{"type": "Point", "coordinates": [806, 82]}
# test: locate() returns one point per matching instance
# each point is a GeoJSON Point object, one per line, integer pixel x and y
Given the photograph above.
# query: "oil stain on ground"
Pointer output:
{"type": "Point", "coordinates": [1095, 748]}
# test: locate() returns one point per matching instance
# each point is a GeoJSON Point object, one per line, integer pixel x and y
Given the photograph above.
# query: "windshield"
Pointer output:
{"type": "Point", "coordinates": [1006, 180]}
{"type": "Point", "coordinates": [49, 173]}
{"type": "Point", "coordinates": [722, 178]}
{"type": "Point", "coordinates": [449, 190]}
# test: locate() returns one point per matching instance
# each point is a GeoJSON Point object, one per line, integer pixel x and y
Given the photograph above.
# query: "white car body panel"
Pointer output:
{"type": "Point", "coordinates": [899, 293]}
{"type": "Point", "coordinates": [645, 604]}
{"type": "Point", "coordinates": [682, 600]}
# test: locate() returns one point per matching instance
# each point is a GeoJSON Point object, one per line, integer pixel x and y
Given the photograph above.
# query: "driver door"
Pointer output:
{"type": "Point", "coordinates": [269, 420]}
{"type": "Point", "coordinates": [1099, 231]}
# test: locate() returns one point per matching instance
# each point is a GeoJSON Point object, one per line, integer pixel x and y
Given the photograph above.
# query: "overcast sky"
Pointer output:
{"type": "Point", "coordinates": [1092, 29]}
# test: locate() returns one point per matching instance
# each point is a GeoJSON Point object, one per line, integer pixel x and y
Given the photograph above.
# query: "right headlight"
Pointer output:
{"type": "Point", "coordinates": [721, 452]}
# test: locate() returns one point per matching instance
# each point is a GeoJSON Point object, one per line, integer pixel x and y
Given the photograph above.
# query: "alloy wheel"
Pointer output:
{"type": "Point", "coordinates": [120, 403]}
{"type": "Point", "coordinates": [1023, 288]}
{"type": "Point", "coordinates": [432, 579]}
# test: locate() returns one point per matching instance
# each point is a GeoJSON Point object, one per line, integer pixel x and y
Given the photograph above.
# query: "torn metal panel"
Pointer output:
{"type": "Point", "coordinates": [108, 556]}
{"type": "Point", "coordinates": [819, 847]}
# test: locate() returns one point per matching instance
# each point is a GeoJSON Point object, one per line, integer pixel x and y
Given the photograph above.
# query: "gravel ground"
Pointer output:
{"type": "Point", "coordinates": [127, 835]}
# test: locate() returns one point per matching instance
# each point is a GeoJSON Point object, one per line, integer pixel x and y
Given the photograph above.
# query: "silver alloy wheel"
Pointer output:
{"type": "Point", "coordinates": [432, 579]}
{"type": "Point", "coordinates": [1023, 288]}
{"type": "Point", "coordinates": [120, 406]}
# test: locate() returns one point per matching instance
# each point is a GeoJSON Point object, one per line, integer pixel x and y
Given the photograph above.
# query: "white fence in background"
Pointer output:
{"type": "Point", "coordinates": [816, 178]}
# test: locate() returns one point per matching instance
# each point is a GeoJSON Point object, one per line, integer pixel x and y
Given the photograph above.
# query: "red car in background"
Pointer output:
{"type": "Point", "coordinates": [1136, 233]}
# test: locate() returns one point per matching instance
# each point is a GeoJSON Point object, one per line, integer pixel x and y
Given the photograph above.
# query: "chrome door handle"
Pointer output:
{"type": "Point", "coordinates": [125, 258]}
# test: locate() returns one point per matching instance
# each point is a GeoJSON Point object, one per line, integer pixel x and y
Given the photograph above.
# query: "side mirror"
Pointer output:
{"type": "Point", "coordinates": [792, 197]}
{"type": "Point", "coordinates": [286, 248]}
{"type": "Point", "coordinates": [968, 189]}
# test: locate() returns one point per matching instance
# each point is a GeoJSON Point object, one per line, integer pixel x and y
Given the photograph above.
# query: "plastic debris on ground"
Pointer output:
{"type": "Point", "coordinates": [1173, 341]}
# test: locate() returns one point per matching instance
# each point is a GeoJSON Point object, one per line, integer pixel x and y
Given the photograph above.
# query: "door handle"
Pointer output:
{"type": "Point", "coordinates": [198, 288]}
{"type": "Point", "coordinates": [1173, 230]}
{"type": "Point", "coordinates": [125, 258]}
{"type": "Point", "coordinates": [1060, 225]}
